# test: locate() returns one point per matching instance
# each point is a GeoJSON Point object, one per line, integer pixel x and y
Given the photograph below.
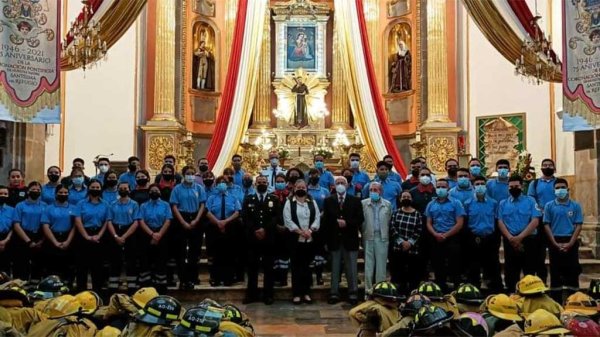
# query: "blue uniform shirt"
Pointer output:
{"type": "Point", "coordinates": [360, 178]}
{"type": "Point", "coordinates": [29, 214]}
{"type": "Point", "coordinates": [110, 196]}
{"type": "Point", "coordinates": [238, 177]}
{"type": "Point", "coordinates": [518, 213]}
{"type": "Point", "coordinates": [128, 177]}
{"type": "Point", "coordinates": [462, 195]}
{"type": "Point", "coordinates": [351, 190]}
{"type": "Point", "coordinates": [48, 194]}
{"type": "Point", "coordinates": [319, 194]}
{"type": "Point", "coordinates": [326, 180]}
{"type": "Point", "coordinates": [563, 217]}
{"type": "Point", "coordinates": [92, 214]}
{"type": "Point", "coordinates": [76, 196]}
{"type": "Point", "coordinates": [123, 214]}
{"type": "Point", "coordinates": [59, 217]}
{"type": "Point", "coordinates": [391, 191]}
{"type": "Point", "coordinates": [481, 216]}
{"type": "Point", "coordinates": [214, 202]}
{"type": "Point", "coordinates": [542, 191]}
{"type": "Point", "coordinates": [497, 190]}
{"type": "Point", "coordinates": [188, 198]}
{"type": "Point", "coordinates": [248, 191]}
{"type": "Point", "coordinates": [99, 177]}
{"type": "Point", "coordinates": [394, 176]}
{"type": "Point", "coordinates": [236, 191]}
{"type": "Point", "coordinates": [7, 216]}
{"type": "Point", "coordinates": [444, 214]}
{"type": "Point", "coordinates": [451, 182]}
{"type": "Point", "coordinates": [155, 213]}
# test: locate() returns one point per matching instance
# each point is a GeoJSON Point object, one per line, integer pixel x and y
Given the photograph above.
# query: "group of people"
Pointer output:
{"type": "Point", "coordinates": [75, 226]}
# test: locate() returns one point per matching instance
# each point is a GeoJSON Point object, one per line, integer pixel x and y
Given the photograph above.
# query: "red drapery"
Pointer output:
{"type": "Point", "coordinates": [380, 113]}
{"type": "Point", "coordinates": [229, 91]}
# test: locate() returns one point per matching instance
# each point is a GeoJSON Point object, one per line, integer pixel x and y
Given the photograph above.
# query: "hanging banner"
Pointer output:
{"type": "Point", "coordinates": [29, 61]}
{"type": "Point", "coordinates": [581, 49]}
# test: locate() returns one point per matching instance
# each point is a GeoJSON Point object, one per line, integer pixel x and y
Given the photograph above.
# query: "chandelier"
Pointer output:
{"type": "Point", "coordinates": [86, 47]}
{"type": "Point", "coordinates": [538, 49]}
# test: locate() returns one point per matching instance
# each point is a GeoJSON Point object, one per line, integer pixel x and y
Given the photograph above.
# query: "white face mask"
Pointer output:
{"type": "Point", "coordinates": [341, 189]}
{"type": "Point", "coordinates": [190, 178]}
{"type": "Point", "coordinates": [103, 168]}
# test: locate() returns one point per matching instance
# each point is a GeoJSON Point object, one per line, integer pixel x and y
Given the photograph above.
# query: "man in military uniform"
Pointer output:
{"type": "Point", "coordinates": [260, 213]}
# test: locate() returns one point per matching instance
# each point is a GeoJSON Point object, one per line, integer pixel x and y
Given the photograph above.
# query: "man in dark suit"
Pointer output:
{"type": "Point", "coordinates": [261, 215]}
{"type": "Point", "coordinates": [342, 216]}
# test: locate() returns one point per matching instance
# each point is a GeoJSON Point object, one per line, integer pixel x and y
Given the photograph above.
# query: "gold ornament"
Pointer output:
{"type": "Point", "coordinates": [159, 147]}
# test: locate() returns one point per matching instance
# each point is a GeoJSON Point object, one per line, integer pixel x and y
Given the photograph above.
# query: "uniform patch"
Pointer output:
{"type": "Point", "coordinates": [270, 204]}
{"type": "Point", "coordinates": [570, 213]}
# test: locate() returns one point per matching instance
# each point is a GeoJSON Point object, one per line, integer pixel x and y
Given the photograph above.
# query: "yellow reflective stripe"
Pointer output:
{"type": "Point", "coordinates": [154, 312]}
{"type": "Point", "coordinates": [172, 316]}
{"type": "Point", "coordinates": [186, 324]}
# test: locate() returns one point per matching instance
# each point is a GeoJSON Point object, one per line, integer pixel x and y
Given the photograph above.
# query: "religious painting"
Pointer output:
{"type": "Point", "coordinates": [500, 137]}
{"type": "Point", "coordinates": [400, 58]}
{"type": "Point", "coordinates": [203, 63]}
{"type": "Point", "coordinates": [205, 7]}
{"type": "Point", "coordinates": [301, 47]}
{"type": "Point", "coordinates": [397, 8]}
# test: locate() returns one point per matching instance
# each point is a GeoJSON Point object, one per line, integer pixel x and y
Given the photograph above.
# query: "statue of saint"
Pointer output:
{"type": "Point", "coordinates": [203, 68]}
{"type": "Point", "coordinates": [400, 68]}
{"type": "Point", "coordinates": [301, 113]}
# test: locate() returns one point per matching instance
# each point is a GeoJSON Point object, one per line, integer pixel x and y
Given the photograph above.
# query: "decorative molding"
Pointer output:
{"type": "Point", "coordinates": [158, 147]}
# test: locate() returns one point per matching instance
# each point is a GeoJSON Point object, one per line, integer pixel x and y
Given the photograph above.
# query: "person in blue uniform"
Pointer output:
{"type": "Point", "coordinates": [155, 220]}
{"type": "Point", "coordinates": [236, 229]}
{"type": "Point", "coordinates": [283, 237]}
{"type": "Point", "coordinates": [122, 223]}
{"type": "Point", "coordinates": [133, 165]}
{"type": "Point", "coordinates": [481, 218]}
{"type": "Point", "coordinates": [326, 179]}
{"type": "Point", "coordinates": [360, 178]}
{"type": "Point", "coordinates": [463, 191]}
{"type": "Point", "coordinates": [78, 163]}
{"type": "Point", "coordinates": [475, 168]}
{"type": "Point", "coordinates": [7, 215]}
{"type": "Point", "coordinates": [187, 203]}
{"type": "Point", "coordinates": [91, 215]}
{"type": "Point", "coordinates": [318, 193]}
{"type": "Point", "coordinates": [110, 193]}
{"type": "Point", "coordinates": [273, 170]}
{"type": "Point", "coordinates": [394, 176]}
{"type": "Point", "coordinates": [497, 188]}
{"type": "Point", "coordinates": [78, 189]}
{"type": "Point", "coordinates": [223, 210]}
{"type": "Point", "coordinates": [103, 165]}
{"type": "Point", "coordinates": [518, 218]}
{"type": "Point", "coordinates": [27, 259]}
{"type": "Point", "coordinates": [391, 189]}
{"type": "Point", "coordinates": [17, 191]}
{"type": "Point", "coordinates": [445, 218]}
{"type": "Point", "coordinates": [452, 169]}
{"type": "Point", "coordinates": [563, 220]}
{"type": "Point", "coordinates": [49, 190]}
{"type": "Point", "coordinates": [140, 193]}
{"type": "Point", "coordinates": [315, 189]}
{"type": "Point", "coordinates": [248, 185]}
{"type": "Point", "coordinates": [58, 226]}
{"type": "Point", "coordinates": [238, 171]}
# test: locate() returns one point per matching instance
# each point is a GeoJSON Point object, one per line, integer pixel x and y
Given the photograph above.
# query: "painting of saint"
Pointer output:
{"type": "Point", "coordinates": [301, 48]}
{"type": "Point", "coordinates": [400, 68]}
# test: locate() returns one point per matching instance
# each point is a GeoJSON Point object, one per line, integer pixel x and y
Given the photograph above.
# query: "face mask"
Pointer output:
{"type": "Point", "coordinates": [415, 173]}
{"type": "Point", "coordinates": [132, 167]}
{"type": "Point", "coordinates": [62, 198]}
{"type": "Point", "coordinates": [425, 180]}
{"type": "Point", "coordinates": [515, 192]}
{"type": "Point", "coordinates": [34, 195]}
{"type": "Point", "coordinates": [301, 193]}
{"type": "Point", "coordinates": [561, 193]}
{"type": "Point", "coordinates": [441, 192]}
{"type": "Point", "coordinates": [247, 183]}
{"type": "Point", "coordinates": [103, 168]}
{"type": "Point", "coordinates": [141, 182]}
{"type": "Point", "coordinates": [341, 189]}
{"type": "Point", "coordinates": [314, 181]}
{"type": "Point", "coordinates": [95, 193]}
{"type": "Point", "coordinates": [548, 171]}
{"type": "Point", "coordinates": [168, 177]}
{"type": "Point", "coordinates": [452, 171]}
{"type": "Point", "coordinates": [503, 173]}
{"type": "Point", "coordinates": [78, 181]}
{"type": "Point", "coordinates": [274, 161]}
{"type": "Point", "coordinates": [348, 179]}
{"type": "Point", "coordinates": [280, 186]}
{"type": "Point", "coordinates": [222, 187]}
{"type": "Point", "coordinates": [208, 182]}
{"type": "Point", "coordinates": [374, 196]}
{"type": "Point", "coordinates": [480, 189]}
{"type": "Point", "coordinates": [203, 168]}
{"type": "Point", "coordinates": [354, 164]}
{"type": "Point", "coordinates": [319, 165]}
{"type": "Point", "coordinates": [262, 188]}
{"type": "Point", "coordinates": [229, 179]}
{"type": "Point", "coordinates": [111, 183]}
{"type": "Point", "coordinates": [464, 182]}
{"type": "Point", "coordinates": [154, 195]}
{"type": "Point", "coordinates": [123, 194]}
{"type": "Point", "coordinates": [189, 179]}
{"type": "Point", "coordinates": [293, 179]}
{"type": "Point", "coordinates": [3, 200]}
{"type": "Point", "coordinates": [406, 202]}
{"type": "Point", "coordinates": [475, 170]}
{"type": "Point", "coordinates": [53, 177]}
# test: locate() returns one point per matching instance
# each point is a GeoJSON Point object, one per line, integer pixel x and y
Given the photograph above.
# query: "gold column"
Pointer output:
{"type": "Point", "coordinates": [340, 110]}
{"type": "Point", "coordinates": [437, 66]}
{"type": "Point", "coordinates": [262, 105]}
{"type": "Point", "coordinates": [164, 87]}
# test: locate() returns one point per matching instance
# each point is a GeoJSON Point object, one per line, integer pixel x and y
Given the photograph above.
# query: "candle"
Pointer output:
{"type": "Point", "coordinates": [418, 136]}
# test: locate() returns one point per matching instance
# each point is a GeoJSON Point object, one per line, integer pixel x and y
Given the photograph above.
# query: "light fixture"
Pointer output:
{"type": "Point", "coordinates": [83, 46]}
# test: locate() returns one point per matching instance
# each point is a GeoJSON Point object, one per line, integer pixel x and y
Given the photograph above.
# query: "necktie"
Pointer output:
{"type": "Point", "coordinates": [222, 207]}
{"type": "Point", "coordinates": [262, 198]}
{"type": "Point", "coordinates": [341, 202]}
{"type": "Point", "coordinates": [273, 176]}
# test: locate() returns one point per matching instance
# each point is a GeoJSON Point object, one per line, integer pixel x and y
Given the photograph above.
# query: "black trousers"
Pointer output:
{"type": "Point", "coordinates": [153, 261]}
{"type": "Point", "coordinates": [541, 269]}
{"type": "Point", "coordinates": [302, 255]}
{"type": "Point", "coordinates": [260, 255]}
{"type": "Point", "coordinates": [189, 245]}
{"type": "Point", "coordinates": [425, 254]}
{"type": "Point", "coordinates": [283, 246]}
{"type": "Point", "coordinates": [90, 259]}
{"type": "Point", "coordinates": [224, 255]}
{"type": "Point", "coordinates": [564, 266]}
{"type": "Point", "coordinates": [524, 260]}
{"type": "Point", "coordinates": [403, 267]}
{"type": "Point", "coordinates": [127, 253]}
{"type": "Point", "coordinates": [28, 262]}
{"type": "Point", "coordinates": [483, 255]}
{"type": "Point", "coordinates": [58, 261]}
{"type": "Point", "coordinates": [238, 239]}
{"type": "Point", "coordinates": [446, 262]}
{"type": "Point", "coordinates": [5, 255]}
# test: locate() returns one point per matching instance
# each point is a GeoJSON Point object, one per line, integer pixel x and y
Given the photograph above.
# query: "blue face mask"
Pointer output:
{"type": "Point", "coordinates": [274, 162]}
{"type": "Point", "coordinates": [77, 181]}
{"type": "Point", "coordinates": [480, 189]}
{"type": "Point", "coordinates": [374, 196]}
{"type": "Point", "coordinates": [561, 193]}
{"type": "Point", "coordinates": [280, 186]}
{"type": "Point", "coordinates": [441, 192]}
{"type": "Point", "coordinates": [503, 173]}
{"type": "Point", "coordinates": [189, 178]}
{"type": "Point", "coordinates": [222, 187]}
{"type": "Point", "coordinates": [354, 164]}
{"type": "Point", "coordinates": [475, 170]}
{"type": "Point", "coordinates": [463, 182]}
{"type": "Point", "coordinates": [319, 165]}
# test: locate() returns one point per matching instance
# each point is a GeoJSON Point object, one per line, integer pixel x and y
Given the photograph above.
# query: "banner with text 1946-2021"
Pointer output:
{"type": "Point", "coordinates": [29, 61]}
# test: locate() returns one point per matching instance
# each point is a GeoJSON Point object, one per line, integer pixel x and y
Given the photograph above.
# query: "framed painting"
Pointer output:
{"type": "Point", "coordinates": [300, 48]}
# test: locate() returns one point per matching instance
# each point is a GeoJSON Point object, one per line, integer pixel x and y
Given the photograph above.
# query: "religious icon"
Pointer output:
{"type": "Point", "coordinates": [301, 99]}
{"type": "Point", "coordinates": [205, 7]}
{"type": "Point", "coordinates": [397, 8]}
{"type": "Point", "coordinates": [300, 115]}
{"type": "Point", "coordinates": [400, 69]}
{"type": "Point", "coordinates": [203, 67]}
{"type": "Point", "coordinates": [301, 48]}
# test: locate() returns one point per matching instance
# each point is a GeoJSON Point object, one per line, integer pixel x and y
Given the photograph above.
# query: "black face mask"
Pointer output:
{"type": "Point", "coordinates": [247, 183]}
{"type": "Point", "coordinates": [301, 193]}
{"type": "Point", "coordinates": [415, 173]}
{"type": "Point", "coordinates": [3, 200]}
{"type": "Point", "coordinates": [406, 202]}
{"type": "Point", "coordinates": [168, 177]}
{"type": "Point", "coordinates": [123, 194]}
{"type": "Point", "coordinates": [111, 183]}
{"type": "Point", "coordinates": [548, 171]}
{"type": "Point", "coordinates": [95, 193]}
{"type": "Point", "coordinates": [132, 167]}
{"type": "Point", "coordinates": [53, 177]}
{"type": "Point", "coordinates": [452, 171]}
{"type": "Point", "coordinates": [314, 181]}
{"type": "Point", "coordinates": [293, 179]}
{"type": "Point", "coordinates": [154, 195]}
{"type": "Point", "coordinates": [229, 179]}
{"type": "Point", "coordinates": [348, 179]}
{"type": "Point", "coordinates": [208, 182]}
{"type": "Point", "coordinates": [203, 168]}
{"type": "Point", "coordinates": [142, 182]}
{"type": "Point", "coordinates": [515, 192]}
{"type": "Point", "coordinates": [62, 198]}
{"type": "Point", "coordinates": [261, 188]}
{"type": "Point", "coordinates": [34, 195]}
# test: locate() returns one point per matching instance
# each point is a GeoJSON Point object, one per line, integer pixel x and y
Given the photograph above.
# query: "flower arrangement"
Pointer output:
{"type": "Point", "coordinates": [322, 151]}
{"type": "Point", "coordinates": [283, 152]}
